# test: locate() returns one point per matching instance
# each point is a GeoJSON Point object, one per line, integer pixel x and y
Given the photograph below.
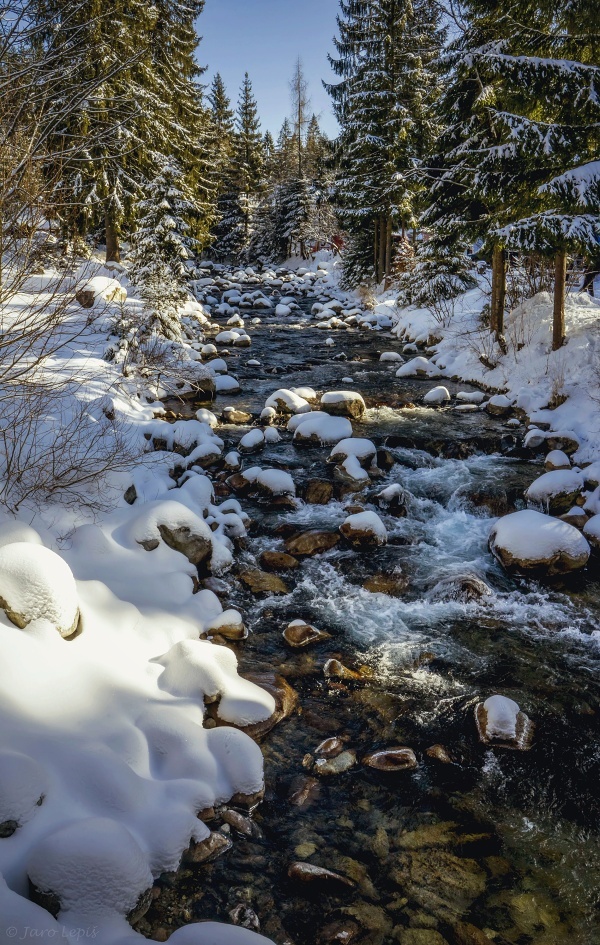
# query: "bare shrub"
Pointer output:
{"type": "Point", "coordinates": [526, 276]}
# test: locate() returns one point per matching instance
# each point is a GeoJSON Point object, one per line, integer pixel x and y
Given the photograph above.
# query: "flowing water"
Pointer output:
{"type": "Point", "coordinates": [504, 842]}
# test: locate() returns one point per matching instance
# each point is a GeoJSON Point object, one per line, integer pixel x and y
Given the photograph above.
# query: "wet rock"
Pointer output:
{"type": "Point", "coordinates": [394, 585]}
{"type": "Point", "coordinates": [326, 767]}
{"type": "Point", "coordinates": [501, 723]}
{"type": "Point", "coordinates": [464, 589]}
{"type": "Point", "coordinates": [334, 669]}
{"type": "Point", "coordinates": [261, 582]}
{"type": "Point", "coordinates": [228, 625]}
{"type": "Point", "coordinates": [330, 748]}
{"type": "Point", "coordinates": [441, 754]}
{"type": "Point", "coordinates": [237, 417]}
{"type": "Point", "coordinates": [392, 760]}
{"type": "Point", "coordinates": [278, 561]}
{"type": "Point", "coordinates": [341, 932]}
{"type": "Point", "coordinates": [439, 882]}
{"type": "Point", "coordinates": [206, 850]}
{"type": "Point", "coordinates": [464, 933]}
{"type": "Point", "coordinates": [393, 500]}
{"type": "Point", "coordinates": [421, 937]}
{"type": "Point", "coordinates": [286, 700]}
{"type": "Point", "coordinates": [535, 914]}
{"type": "Point", "coordinates": [196, 548]}
{"type": "Point", "coordinates": [445, 834]}
{"type": "Point", "coordinates": [567, 442]}
{"type": "Point", "coordinates": [385, 460]}
{"type": "Point", "coordinates": [243, 825]}
{"type": "Point", "coordinates": [307, 792]}
{"type": "Point", "coordinates": [299, 634]}
{"type": "Point", "coordinates": [130, 495]}
{"type": "Point", "coordinates": [308, 873]}
{"type": "Point", "coordinates": [244, 917]}
{"type": "Point", "coordinates": [311, 543]}
{"type": "Point", "coordinates": [318, 492]}
{"type": "Point", "coordinates": [380, 844]}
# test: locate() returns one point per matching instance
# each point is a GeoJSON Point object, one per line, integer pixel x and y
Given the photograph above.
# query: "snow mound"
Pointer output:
{"type": "Point", "coordinates": [286, 401]}
{"type": "Point", "coordinates": [529, 540]}
{"type": "Point", "coordinates": [364, 528]}
{"type": "Point", "coordinates": [592, 531]}
{"type": "Point", "coordinates": [354, 446]}
{"type": "Point", "coordinates": [105, 289]}
{"type": "Point", "coordinates": [23, 784]}
{"type": "Point", "coordinates": [213, 933]}
{"type": "Point", "coordinates": [390, 356]}
{"type": "Point", "coordinates": [345, 403]}
{"type": "Point", "coordinates": [560, 486]}
{"type": "Point", "coordinates": [35, 582]}
{"type": "Point", "coordinates": [93, 866]}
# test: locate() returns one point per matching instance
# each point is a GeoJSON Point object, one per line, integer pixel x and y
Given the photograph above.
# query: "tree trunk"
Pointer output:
{"type": "Point", "coordinates": [376, 250]}
{"type": "Point", "coordinates": [113, 253]}
{"type": "Point", "coordinates": [560, 279]}
{"type": "Point", "coordinates": [382, 232]}
{"type": "Point", "coordinates": [498, 290]}
{"type": "Point", "coordinates": [388, 252]}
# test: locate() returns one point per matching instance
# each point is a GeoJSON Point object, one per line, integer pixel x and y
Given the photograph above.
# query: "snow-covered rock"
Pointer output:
{"type": "Point", "coordinates": [35, 582]}
{"type": "Point", "coordinates": [286, 401]}
{"type": "Point", "coordinates": [437, 395]}
{"type": "Point", "coordinates": [214, 933]}
{"type": "Point", "coordinates": [207, 416]}
{"type": "Point", "coordinates": [555, 491]}
{"type": "Point", "coordinates": [23, 784]}
{"type": "Point", "coordinates": [364, 529]}
{"type": "Point", "coordinates": [103, 289]}
{"type": "Point", "coordinates": [471, 396]}
{"type": "Point", "coordinates": [390, 356]}
{"type": "Point", "coordinates": [364, 451]}
{"type": "Point", "coordinates": [531, 541]}
{"type": "Point", "coordinates": [592, 531]}
{"type": "Point", "coordinates": [252, 441]}
{"type": "Point", "coordinates": [418, 367]}
{"type": "Point", "coordinates": [556, 459]}
{"type": "Point", "coordinates": [322, 429]}
{"type": "Point", "coordinates": [343, 403]}
{"type": "Point", "coordinates": [501, 723]}
{"type": "Point", "coordinates": [499, 405]}
{"type": "Point", "coordinates": [224, 383]}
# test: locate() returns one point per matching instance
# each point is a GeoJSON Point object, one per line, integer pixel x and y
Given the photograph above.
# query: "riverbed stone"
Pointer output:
{"type": "Point", "coordinates": [443, 884]}
{"type": "Point", "coordinates": [394, 585]}
{"type": "Point", "coordinates": [326, 767]}
{"type": "Point", "coordinates": [286, 700]}
{"type": "Point", "coordinates": [262, 582]}
{"type": "Point", "coordinates": [299, 634]}
{"type": "Point", "coordinates": [311, 543]}
{"type": "Point", "coordinates": [318, 875]}
{"type": "Point", "coordinates": [421, 937]}
{"type": "Point", "coordinates": [392, 760]}
{"type": "Point", "coordinates": [196, 548]}
{"type": "Point", "coordinates": [278, 561]}
{"type": "Point", "coordinates": [318, 492]}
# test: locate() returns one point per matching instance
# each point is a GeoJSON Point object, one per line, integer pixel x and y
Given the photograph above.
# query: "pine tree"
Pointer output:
{"type": "Point", "coordinates": [248, 154]}
{"type": "Point", "coordinates": [162, 247]}
{"type": "Point", "coordinates": [388, 82]}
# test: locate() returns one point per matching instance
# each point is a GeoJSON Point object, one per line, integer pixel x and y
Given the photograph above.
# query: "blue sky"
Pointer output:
{"type": "Point", "coordinates": [264, 38]}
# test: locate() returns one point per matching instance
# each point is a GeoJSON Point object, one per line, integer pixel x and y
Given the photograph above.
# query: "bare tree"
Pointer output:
{"type": "Point", "coordinates": [300, 111]}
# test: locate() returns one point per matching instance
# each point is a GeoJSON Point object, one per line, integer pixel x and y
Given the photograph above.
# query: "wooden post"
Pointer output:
{"type": "Point", "coordinates": [560, 279]}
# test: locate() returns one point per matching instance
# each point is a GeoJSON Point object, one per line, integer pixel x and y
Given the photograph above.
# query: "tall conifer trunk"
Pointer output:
{"type": "Point", "coordinates": [560, 279]}
{"type": "Point", "coordinates": [113, 252]}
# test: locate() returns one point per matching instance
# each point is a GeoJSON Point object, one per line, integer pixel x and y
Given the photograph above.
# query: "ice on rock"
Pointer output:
{"type": "Point", "coordinates": [323, 429]}
{"type": "Point", "coordinates": [23, 784]}
{"type": "Point", "coordinates": [437, 395]}
{"type": "Point", "coordinates": [35, 582]}
{"type": "Point", "coordinates": [501, 722]}
{"type": "Point", "coordinates": [418, 366]}
{"type": "Point", "coordinates": [94, 867]}
{"type": "Point", "coordinates": [253, 363]}
{"type": "Point", "coordinates": [531, 541]}
{"type": "Point", "coordinates": [286, 401]}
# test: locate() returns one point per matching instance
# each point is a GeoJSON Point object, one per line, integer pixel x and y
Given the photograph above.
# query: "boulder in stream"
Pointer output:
{"type": "Point", "coordinates": [502, 724]}
{"type": "Point", "coordinates": [530, 541]}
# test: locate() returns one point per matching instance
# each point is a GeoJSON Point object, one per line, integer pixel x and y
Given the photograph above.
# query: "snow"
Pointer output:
{"type": "Point", "coordinates": [592, 530]}
{"type": "Point", "coordinates": [226, 384]}
{"type": "Point", "coordinates": [252, 440]}
{"type": "Point", "coordinates": [23, 783]}
{"type": "Point", "coordinates": [502, 715]}
{"type": "Point", "coordinates": [390, 356]}
{"type": "Point", "coordinates": [556, 459]}
{"type": "Point", "coordinates": [550, 484]}
{"type": "Point", "coordinates": [324, 429]}
{"type": "Point", "coordinates": [212, 933]}
{"type": "Point", "coordinates": [437, 395]}
{"type": "Point", "coordinates": [353, 446]}
{"type": "Point", "coordinates": [471, 396]}
{"type": "Point", "coordinates": [207, 416]}
{"type": "Point", "coordinates": [94, 865]}
{"type": "Point", "coordinates": [36, 582]}
{"type": "Point", "coordinates": [353, 469]}
{"type": "Point", "coordinates": [105, 289]}
{"type": "Point", "coordinates": [335, 397]}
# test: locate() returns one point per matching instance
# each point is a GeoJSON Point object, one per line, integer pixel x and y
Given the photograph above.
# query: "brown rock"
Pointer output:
{"type": "Point", "coordinates": [441, 754]}
{"type": "Point", "coordinates": [339, 933]}
{"type": "Point", "coordinates": [196, 548]}
{"type": "Point", "coordinates": [307, 873]}
{"type": "Point", "coordinates": [285, 698]}
{"type": "Point", "coordinates": [325, 767]}
{"type": "Point", "coordinates": [306, 793]}
{"type": "Point", "coordinates": [209, 849]}
{"type": "Point", "coordinates": [278, 561]}
{"type": "Point", "coordinates": [337, 670]}
{"type": "Point", "coordinates": [299, 634]}
{"type": "Point", "coordinates": [85, 297]}
{"type": "Point", "coordinates": [311, 543]}
{"type": "Point", "coordinates": [439, 882]}
{"type": "Point", "coordinates": [330, 748]}
{"type": "Point", "coordinates": [394, 585]}
{"type": "Point", "coordinates": [239, 417]}
{"type": "Point", "coordinates": [466, 934]}
{"type": "Point", "coordinates": [318, 492]}
{"type": "Point", "coordinates": [392, 759]}
{"type": "Point", "coordinates": [260, 582]}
